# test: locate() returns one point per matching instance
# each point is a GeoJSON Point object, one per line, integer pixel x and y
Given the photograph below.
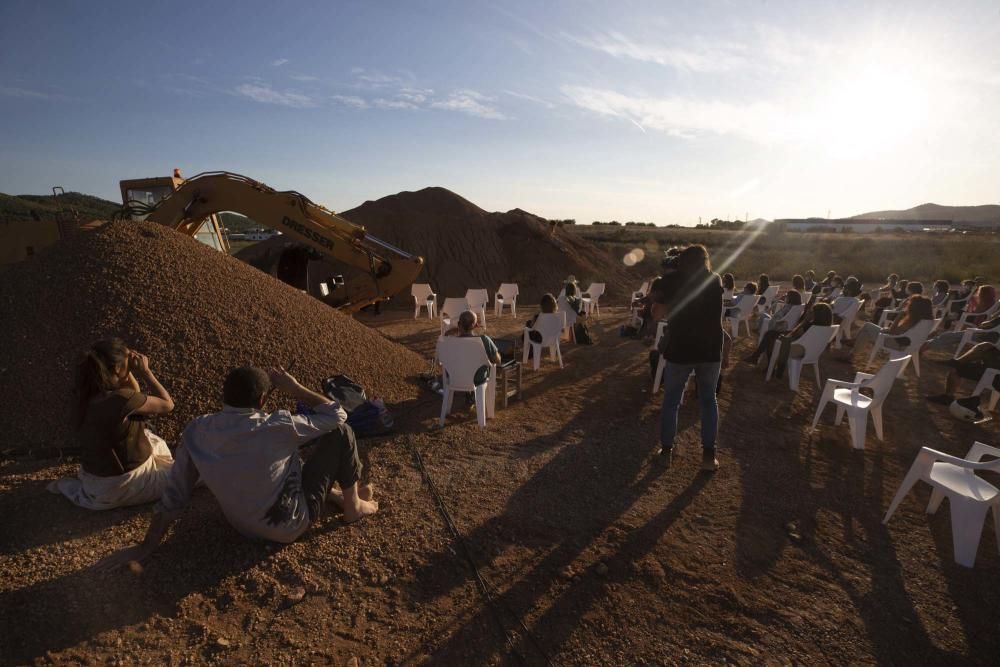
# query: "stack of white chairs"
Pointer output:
{"type": "Point", "coordinates": [790, 319]}
{"type": "Point", "coordinates": [744, 310]}
{"type": "Point", "coordinates": [506, 295]}
{"type": "Point", "coordinates": [550, 326]}
{"type": "Point", "coordinates": [478, 299]}
{"type": "Point", "coordinates": [917, 334]}
{"type": "Point", "coordinates": [969, 334]}
{"type": "Point", "coordinates": [450, 310]}
{"type": "Point", "coordinates": [813, 341]}
{"type": "Point", "coordinates": [848, 398]}
{"type": "Point", "coordinates": [592, 304]}
{"type": "Point", "coordinates": [460, 358]}
{"type": "Point", "coordinates": [424, 296]}
{"type": "Point", "coordinates": [969, 496]}
{"type": "Point", "coordinates": [964, 320]}
{"type": "Point", "coordinates": [847, 308]}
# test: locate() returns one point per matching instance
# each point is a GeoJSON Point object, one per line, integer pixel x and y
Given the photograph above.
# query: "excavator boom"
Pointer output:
{"type": "Point", "coordinates": [389, 269]}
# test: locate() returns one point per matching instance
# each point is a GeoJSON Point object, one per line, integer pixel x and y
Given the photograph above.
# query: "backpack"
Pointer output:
{"type": "Point", "coordinates": [345, 391]}
{"type": "Point", "coordinates": [371, 418]}
{"type": "Point", "coordinates": [582, 334]}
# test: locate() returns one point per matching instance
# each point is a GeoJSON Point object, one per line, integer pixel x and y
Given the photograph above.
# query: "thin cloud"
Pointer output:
{"type": "Point", "coordinates": [712, 59]}
{"type": "Point", "coordinates": [685, 117]}
{"type": "Point", "coordinates": [398, 105]}
{"type": "Point", "coordinates": [265, 94]}
{"type": "Point", "coordinates": [469, 102]}
{"type": "Point", "coordinates": [530, 98]}
{"type": "Point", "coordinates": [350, 101]}
{"type": "Point", "coordinates": [280, 62]}
{"type": "Point", "coordinates": [27, 94]}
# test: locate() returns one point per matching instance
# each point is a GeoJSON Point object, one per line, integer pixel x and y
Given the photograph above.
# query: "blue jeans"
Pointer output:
{"type": "Point", "coordinates": [674, 380]}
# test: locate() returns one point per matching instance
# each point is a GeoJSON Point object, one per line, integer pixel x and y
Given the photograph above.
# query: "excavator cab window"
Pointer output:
{"type": "Point", "coordinates": [150, 191]}
{"type": "Point", "coordinates": [150, 196]}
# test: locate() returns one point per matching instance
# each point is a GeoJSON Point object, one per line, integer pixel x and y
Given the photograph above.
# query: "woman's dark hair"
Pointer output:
{"type": "Point", "coordinates": [96, 372]}
{"type": "Point", "coordinates": [852, 287]}
{"type": "Point", "coordinates": [941, 286]}
{"type": "Point", "coordinates": [750, 288]}
{"type": "Point", "coordinates": [693, 259]}
{"type": "Point", "coordinates": [793, 298]}
{"type": "Point", "coordinates": [244, 387]}
{"type": "Point", "coordinates": [914, 287]}
{"type": "Point", "coordinates": [893, 278]}
{"type": "Point", "coordinates": [548, 303]}
{"type": "Point", "coordinates": [763, 282]}
{"type": "Point", "coordinates": [837, 281]}
{"type": "Point", "coordinates": [811, 273]}
{"type": "Point", "coordinates": [570, 289]}
{"type": "Point", "coordinates": [917, 308]}
{"type": "Point", "coordinates": [901, 285]}
{"type": "Point", "coordinates": [798, 282]}
{"type": "Point", "coordinates": [822, 315]}
{"type": "Point", "coordinates": [728, 281]}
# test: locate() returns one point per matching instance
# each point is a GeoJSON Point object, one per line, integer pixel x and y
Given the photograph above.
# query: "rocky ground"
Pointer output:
{"type": "Point", "coordinates": [589, 552]}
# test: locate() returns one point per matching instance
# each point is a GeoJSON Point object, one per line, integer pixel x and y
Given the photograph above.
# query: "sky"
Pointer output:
{"type": "Point", "coordinates": [666, 112]}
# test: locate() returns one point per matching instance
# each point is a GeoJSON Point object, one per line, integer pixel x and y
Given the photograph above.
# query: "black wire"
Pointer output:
{"type": "Point", "coordinates": [488, 590]}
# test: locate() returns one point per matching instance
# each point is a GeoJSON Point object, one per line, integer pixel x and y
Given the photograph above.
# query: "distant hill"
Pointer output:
{"type": "Point", "coordinates": [984, 213]}
{"type": "Point", "coordinates": [46, 207]}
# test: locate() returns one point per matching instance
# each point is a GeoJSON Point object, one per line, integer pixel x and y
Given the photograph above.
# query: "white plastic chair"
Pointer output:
{"type": "Point", "coordinates": [460, 358]}
{"type": "Point", "coordinates": [478, 299]}
{"type": "Point", "coordinates": [790, 319]}
{"type": "Point", "coordinates": [551, 326]}
{"type": "Point", "coordinates": [986, 383]}
{"type": "Point", "coordinates": [596, 291]}
{"type": "Point", "coordinates": [813, 341]}
{"type": "Point", "coordinates": [847, 308]}
{"type": "Point", "coordinates": [849, 399]}
{"type": "Point", "coordinates": [769, 295]}
{"type": "Point", "coordinates": [942, 308]}
{"type": "Point", "coordinates": [917, 334]}
{"type": "Point", "coordinates": [569, 329]}
{"type": "Point", "coordinates": [963, 321]}
{"type": "Point", "coordinates": [969, 496]}
{"type": "Point", "coordinates": [968, 335]}
{"type": "Point", "coordinates": [506, 295]}
{"type": "Point", "coordinates": [744, 309]}
{"type": "Point", "coordinates": [423, 295]}
{"type": "Point", "coordinates": [450, 310]}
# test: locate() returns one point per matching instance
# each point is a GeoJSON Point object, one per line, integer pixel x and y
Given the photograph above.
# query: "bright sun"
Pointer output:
{"type": "Point", "coordinates": [873, 108]}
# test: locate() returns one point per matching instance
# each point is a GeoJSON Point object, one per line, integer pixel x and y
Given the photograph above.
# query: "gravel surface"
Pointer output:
{"type": "Point", "coordinates": [196, 313]}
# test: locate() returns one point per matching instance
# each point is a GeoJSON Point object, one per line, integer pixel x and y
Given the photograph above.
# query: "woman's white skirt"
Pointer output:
{"type": "Point", "coordinates": [145, 484]}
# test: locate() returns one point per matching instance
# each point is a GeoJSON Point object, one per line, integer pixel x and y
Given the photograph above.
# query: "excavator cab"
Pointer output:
{"type": "Point", "coordinates": [140, 195]}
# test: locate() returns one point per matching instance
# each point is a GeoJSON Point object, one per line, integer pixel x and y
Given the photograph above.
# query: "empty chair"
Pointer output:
{"type": "Point", "coordinates": [813, 341]}
{"type": "Point", "coordinates": [987, 382]}
{"type": "Point", "coordinates": [848, 398]}
{"type": "Point", "coordinates": [969, 496]}
{"type": "Point", "coordinates": [505, 296]}
{"type": "Point", "coordinates": [478, 298]}
{"type": "Point", "coordinates": [460, 358]}
{"type": "Point", "coordinates": [743, 311]}
{"type": "Point", "coordinates": [450, 310]}
{"type": "Point", "coordinates": [550, 326]}
{"type": "Point", "coordinates": [846, 307]}
{"type": "Point", "coordinates": [917, 335]}
{"type": "Point", "coordinates": [594, 292]}
{"type": "Point", "coordinates": [424, 296]}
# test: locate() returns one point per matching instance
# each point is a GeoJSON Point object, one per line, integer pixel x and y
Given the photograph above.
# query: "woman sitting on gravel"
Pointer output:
{"type": "Point", "coordinates": [121, 462]}
{"type": "Point", "coordinates": [915, 309]}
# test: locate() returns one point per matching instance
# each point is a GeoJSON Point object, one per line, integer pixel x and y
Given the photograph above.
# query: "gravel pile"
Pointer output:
{"type": "Point", "coordinates": [196, 313]}
{"type": "Point", "coordinates": [465, 247]}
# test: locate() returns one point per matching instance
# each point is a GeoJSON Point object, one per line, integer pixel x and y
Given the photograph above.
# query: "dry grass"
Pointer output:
{"type": "Point", "coordinates": [870, 257]}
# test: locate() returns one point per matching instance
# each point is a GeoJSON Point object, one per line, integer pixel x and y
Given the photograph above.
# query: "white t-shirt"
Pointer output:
{"type": "Point", "coordinates": [250, 461]}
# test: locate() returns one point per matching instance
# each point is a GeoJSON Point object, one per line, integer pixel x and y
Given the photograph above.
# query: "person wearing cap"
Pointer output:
{"type": "Point", "coordinates": [249, 459]}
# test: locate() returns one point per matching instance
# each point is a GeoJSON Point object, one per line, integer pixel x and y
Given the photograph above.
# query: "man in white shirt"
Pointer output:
{"type": "Point", "coordinates": [250, 461]}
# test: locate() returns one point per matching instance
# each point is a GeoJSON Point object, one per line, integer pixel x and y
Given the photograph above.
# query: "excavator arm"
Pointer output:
{"type": "Point", "coordinates": [389, 270]}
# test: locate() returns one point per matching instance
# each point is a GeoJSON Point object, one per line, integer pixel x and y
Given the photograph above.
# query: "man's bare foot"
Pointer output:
{"type": "Point", "coordinates": [360, 510]}
{"type": "Point", "coordinates": [366, 492]}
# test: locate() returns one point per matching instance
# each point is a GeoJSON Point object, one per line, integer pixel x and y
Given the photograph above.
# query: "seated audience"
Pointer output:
{"type": "Point", "coordinates": [810, 280]}
{"type": "Point", "coordinates": [777, 321]}
{"type": "Point", "coordinates": [749, 291]}
{"type": "Point", "coordinates": [969, 366]}
{"type": "Point", "coordinates": [121, 461]}
{"type": "Point", "coordinates": [249, 460]}
{"type": "Point", "coordinates": [819, 315]}
{"type": "Point", "coordinates": [467, 322]}
{"type": "Point", "coordinates": [915, 309]}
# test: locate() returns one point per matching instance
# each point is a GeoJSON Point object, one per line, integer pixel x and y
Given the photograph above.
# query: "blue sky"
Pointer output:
{"type": "Point", "coordinates": [628, 110]}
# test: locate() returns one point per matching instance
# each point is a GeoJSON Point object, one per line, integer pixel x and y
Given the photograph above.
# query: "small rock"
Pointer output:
{"type": "Point", "coordinates": [295, 596]}
{"type": "Point", "coordinates": [223, 642]}
{"type": "Point", "coordinates": [601, 570]}
{"type": "Point", "coordinates": [353, 662]}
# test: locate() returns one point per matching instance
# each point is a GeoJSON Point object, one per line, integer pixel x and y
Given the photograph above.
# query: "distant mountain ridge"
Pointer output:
{"type": "Point", "coordinates": [46, 207]}
{"type": "Point", "coordinates": [983, 213]}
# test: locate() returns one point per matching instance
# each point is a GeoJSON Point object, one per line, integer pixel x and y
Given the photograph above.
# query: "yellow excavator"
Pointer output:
{"type": "Point", "coordinates": [191, 206]}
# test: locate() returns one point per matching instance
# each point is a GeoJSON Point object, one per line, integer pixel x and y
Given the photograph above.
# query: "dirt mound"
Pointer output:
{"type": "Point", "coordinates": [195, 311]}
{"type": "Point", "coordinates": [466, 247]}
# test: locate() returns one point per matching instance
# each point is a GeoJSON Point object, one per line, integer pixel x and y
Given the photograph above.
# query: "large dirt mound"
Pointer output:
{"type": "Point", "coordinates": [466, 247]}
{"type": "Point", "coordinates": [195, 311]}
